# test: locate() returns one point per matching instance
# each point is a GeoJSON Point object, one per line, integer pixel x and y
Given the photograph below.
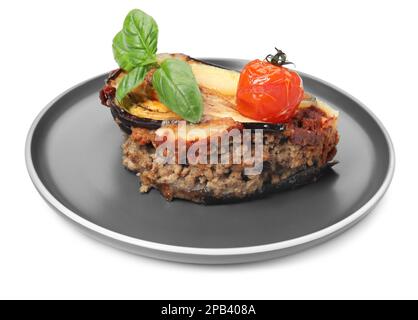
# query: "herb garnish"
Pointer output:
{"type": "Point", "coordinates": [135, 48]}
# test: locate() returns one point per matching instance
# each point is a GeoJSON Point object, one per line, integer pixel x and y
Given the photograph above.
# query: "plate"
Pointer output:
{"type": "Point", "coordinates": [73, 156]}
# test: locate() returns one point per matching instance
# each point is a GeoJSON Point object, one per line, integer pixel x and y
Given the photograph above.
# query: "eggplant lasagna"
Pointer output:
{"type": "Point", "coordinates": [294, 152]}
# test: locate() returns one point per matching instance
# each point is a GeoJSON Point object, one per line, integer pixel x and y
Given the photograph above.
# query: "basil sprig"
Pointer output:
{"type": "Point", "coordinates": [134, 49]}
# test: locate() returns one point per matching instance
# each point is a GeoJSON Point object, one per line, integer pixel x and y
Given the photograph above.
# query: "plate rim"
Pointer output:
{"type": "Point", "coordinates": [211, 252]}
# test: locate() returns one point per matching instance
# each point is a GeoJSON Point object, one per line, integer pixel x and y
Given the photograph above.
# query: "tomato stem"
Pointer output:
{"type": "Point", "coordinates": [279, 59]}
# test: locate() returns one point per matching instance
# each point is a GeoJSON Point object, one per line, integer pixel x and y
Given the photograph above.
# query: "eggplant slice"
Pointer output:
{"type": "Point", "coordinates": [218, 87]}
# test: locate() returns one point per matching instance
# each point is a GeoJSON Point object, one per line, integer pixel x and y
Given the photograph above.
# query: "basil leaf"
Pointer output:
{"type": "Point", "coordinates": [136, 43]}
{"type": "Point", "coordinates": [177, 88]}
{"type": "Point", "coordinates": [130, 81]}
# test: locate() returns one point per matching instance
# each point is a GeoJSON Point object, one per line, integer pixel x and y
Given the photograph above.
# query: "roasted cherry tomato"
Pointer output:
{"type": "Point", "coordinates": [269, 92]}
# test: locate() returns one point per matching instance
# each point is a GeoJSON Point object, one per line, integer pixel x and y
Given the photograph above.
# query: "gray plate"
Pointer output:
{"type": "Point", "coordinates": [74, 159]}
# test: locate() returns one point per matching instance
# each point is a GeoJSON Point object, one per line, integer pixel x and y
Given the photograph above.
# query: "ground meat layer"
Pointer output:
{"type": "Point", "coordinates": [293, 157]}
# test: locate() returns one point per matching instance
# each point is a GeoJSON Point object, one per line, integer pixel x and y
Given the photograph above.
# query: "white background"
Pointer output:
{"type": "Point", "coordinates": [368, 48]}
